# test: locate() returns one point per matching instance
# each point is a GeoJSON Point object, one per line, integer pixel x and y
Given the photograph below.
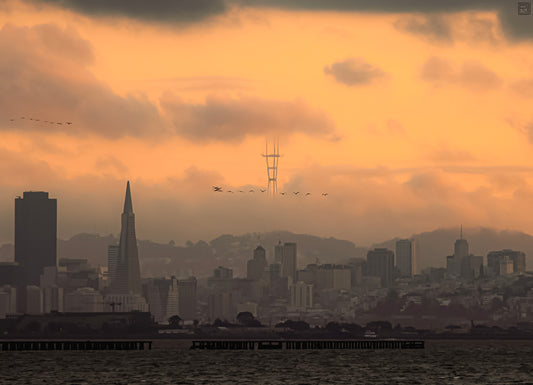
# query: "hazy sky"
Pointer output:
{"type": "Point", "coordinates": [411, 114]}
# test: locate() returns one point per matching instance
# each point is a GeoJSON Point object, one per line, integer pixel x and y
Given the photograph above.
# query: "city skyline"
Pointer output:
{"type": "Point", "coordinates": [424, 140]}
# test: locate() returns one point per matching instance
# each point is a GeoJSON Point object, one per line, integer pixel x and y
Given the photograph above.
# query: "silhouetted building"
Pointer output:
{"type": "Point", "coordinates": [34, 300]}
{"type": "Point", "coordinates": [288, 260]}
{"type": "Point", "coordinates": [472, 266]}
{"type": "Point", "coordinates": [85, 300]}
{"type": "Point", "coordinates": [301, 296]}
{"type": "Point", "coordinates": [278, 252]}
{"type": "Point", "coordinates": [498, 262]}
{"type": "Point", "coordinates": [220, 306]}
{"type": "Point", "coordinates": [380, 263]}
{"type": "Point", "coordinates": [255, 268]}
{"type": "Point", "coordinates": [35, 234]}
{"type": "Point", "coordinates": [308, 275]}
{"type": "Point", "coordinates": [222, 272]}
{"type": "Point", "coordinates": [405, 257]}
{"type": "Point", "coordinates": [187, 298]}
{"type": "Point", "coordinates": [357, 266]}
{"type": "Point", "coordinates": [8, 300]}
{"type": "Point", "coordinates": [337, 277]}
{"type": "Point", "coordinates": [163, 298]}
{"type": "Point", "coordinates": [112, 262]}
{"type": "Point", "coordinates": [274, 271]}
{"type": "Point", "coordinates": [454, 262]}
{"type": "Point", "coordinates": [10, 273]}
{"type": "Point", "coordinates": [127, 278]}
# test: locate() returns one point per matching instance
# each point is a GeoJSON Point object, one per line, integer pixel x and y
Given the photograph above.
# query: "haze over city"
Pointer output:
{"type": "Point", "coordinates": [411, 115]}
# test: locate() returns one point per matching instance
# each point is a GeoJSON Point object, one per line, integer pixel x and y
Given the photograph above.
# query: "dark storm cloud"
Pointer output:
{"type": "Point", "coordinates": [224, 119]}
{"type": "Point", "coordinates": [183, 11]}
{"type": "Point", "coordinates": [435, 27]}
{"type": "Point", "coordinates": [353, 72]}
{"type": "Point", "coordinates": [157, 10]}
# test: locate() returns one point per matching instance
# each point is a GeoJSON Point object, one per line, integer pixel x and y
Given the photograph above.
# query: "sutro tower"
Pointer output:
{"type": "Point", "coordinates": [272, 167]}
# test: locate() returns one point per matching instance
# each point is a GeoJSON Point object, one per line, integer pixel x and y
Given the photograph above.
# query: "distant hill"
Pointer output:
{"type": "Point", "coordinates": [200, 258]}
{"type": "Point", "coordinates": [434, 246]}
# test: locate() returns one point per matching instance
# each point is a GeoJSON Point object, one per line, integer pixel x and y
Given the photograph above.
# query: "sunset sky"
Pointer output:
{"type": "Point", "coordinates": [411, 114]}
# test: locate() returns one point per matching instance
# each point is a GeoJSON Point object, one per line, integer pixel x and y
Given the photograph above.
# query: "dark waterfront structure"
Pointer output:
{"type": "Point", "coordinates": [306, 345]}
{"type": "Point", "coordinates": [74, 345]}
{"type": "Point", "coordinates": [126, 275]}
{"type": "Point", "coordinates": [35, 235]}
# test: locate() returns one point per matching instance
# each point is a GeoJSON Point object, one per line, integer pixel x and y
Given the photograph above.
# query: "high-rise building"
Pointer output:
{"type": "Point", "coordinates": [454, 262]}
{"type": "Point", "coordinates": [220, 306]}
{"type": "Point", "coordinates": [255, 268]}
{"type": "Point", "coordinates": [405, 257]}
{"type": "Point", "coordinates": [380, 263]}
{"type": "Point", "coordinates": [112, 262]}
{"type": "Point", "coordinates": [278, 252]}
{"type": "Point", "coordinates": [288, 260]}
{"type": "Point", "coordinates": [163, 298]}
{"type": "Point", "coordinates": [35, 234]}
{"type": "Point", "coordinates": [301, 296]}
{"type": "Point", "coordinates": [187, 298]}
{"type": "Point", "coordinates": [34, 300]}
{"type": "Point", "coordinates": [127, 275]}
{"type": "Point", "coordinates": [337, 277]}
{"type": "Point", "coordinates": [497, 259]}
{"type": "Point", "coordinates": [472, 266]}
{"type": "Point", "coordinates": [222, 272]}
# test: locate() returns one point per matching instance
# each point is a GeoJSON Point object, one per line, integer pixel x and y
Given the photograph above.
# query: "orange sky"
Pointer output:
{"type": "Point", "coordinates": [408, 128]}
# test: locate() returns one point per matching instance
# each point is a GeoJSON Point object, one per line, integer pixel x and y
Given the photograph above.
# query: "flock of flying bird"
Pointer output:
{"type": "Point", "coordinates": [42, 121]}
{"type": "Point", "coordinates": [219, 189]}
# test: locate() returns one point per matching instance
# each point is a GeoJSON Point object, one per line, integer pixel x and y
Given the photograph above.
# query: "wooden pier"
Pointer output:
{"type": "Point", "coordinates": [306, 345]}
{"type": "Point", "coordinates": [74, 345]}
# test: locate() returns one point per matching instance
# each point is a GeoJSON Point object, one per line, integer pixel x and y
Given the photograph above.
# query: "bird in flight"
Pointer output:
{"type": "Point", "coordinates": [306, 194]}
{"type": "Point", "coordinates": [282, 193]}
{"type": "Point", "coordinates": [296, 193]}
{"type": "Point", "coordinates": [217, 189]}
{"type": "Point", "coordinates": [230, 191]}
{"type": "Point", "coordinates": [241, 191]}
{"type": "Point", "coordinates": [251, 191]}
{"type": "Point", "coordinates": [69, 123]}
{"type": "Point", "coordinates": [324, 194]}
{"type": "Point", "coordinates": [262, 190]}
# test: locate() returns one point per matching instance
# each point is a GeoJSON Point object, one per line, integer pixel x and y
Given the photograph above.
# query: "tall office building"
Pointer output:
{"type": "Point", "coordinates": [405, 257]}
{"type": "Point", "coordinates": [187, 298]}
{"type": "Point", "coordinates": [380, 263]}
{"type": "Point", "coordinates": [127, 275]}
{"type": "Point", "coordinates": [113, 252]}
{"type": "Point", "coordinates": [301, 296]}
{"type": "Point", "coordinates": [35, 234]}
{"type": "Point", "coordinates": [255, 268]}
{"type": "Point", "coordinates": [454, 262]}
{"type": "Point", "coordinates": [288, 260]}
{"type": "Point", "coordinates": [498, 261]}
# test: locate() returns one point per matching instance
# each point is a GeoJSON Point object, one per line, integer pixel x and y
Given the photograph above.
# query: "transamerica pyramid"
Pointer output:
{"type": "Point", "coordinates": [127, 278]}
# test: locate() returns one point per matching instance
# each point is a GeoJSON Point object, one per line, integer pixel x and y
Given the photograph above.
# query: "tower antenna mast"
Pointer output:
{"type": "Point", "coordinates": [272, 160]}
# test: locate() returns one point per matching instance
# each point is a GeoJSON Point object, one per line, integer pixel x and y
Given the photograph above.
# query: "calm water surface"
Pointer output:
{"type": "Point", "coordinates": [170, 362]}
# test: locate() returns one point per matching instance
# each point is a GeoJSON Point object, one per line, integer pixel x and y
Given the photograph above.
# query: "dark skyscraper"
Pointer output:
{"type": "Point", "coordinates": [35, 234]}
{"type": "Point", "coordinates": [380, 263]}
{"type": "Point", "coordinates": [127, 276]}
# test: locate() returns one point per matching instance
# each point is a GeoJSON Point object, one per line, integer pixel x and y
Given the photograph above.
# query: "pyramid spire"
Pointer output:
{"type": "Point", "coordinates": [461, 235]}
{"type": "Point", "coordinates": [128, 206]}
